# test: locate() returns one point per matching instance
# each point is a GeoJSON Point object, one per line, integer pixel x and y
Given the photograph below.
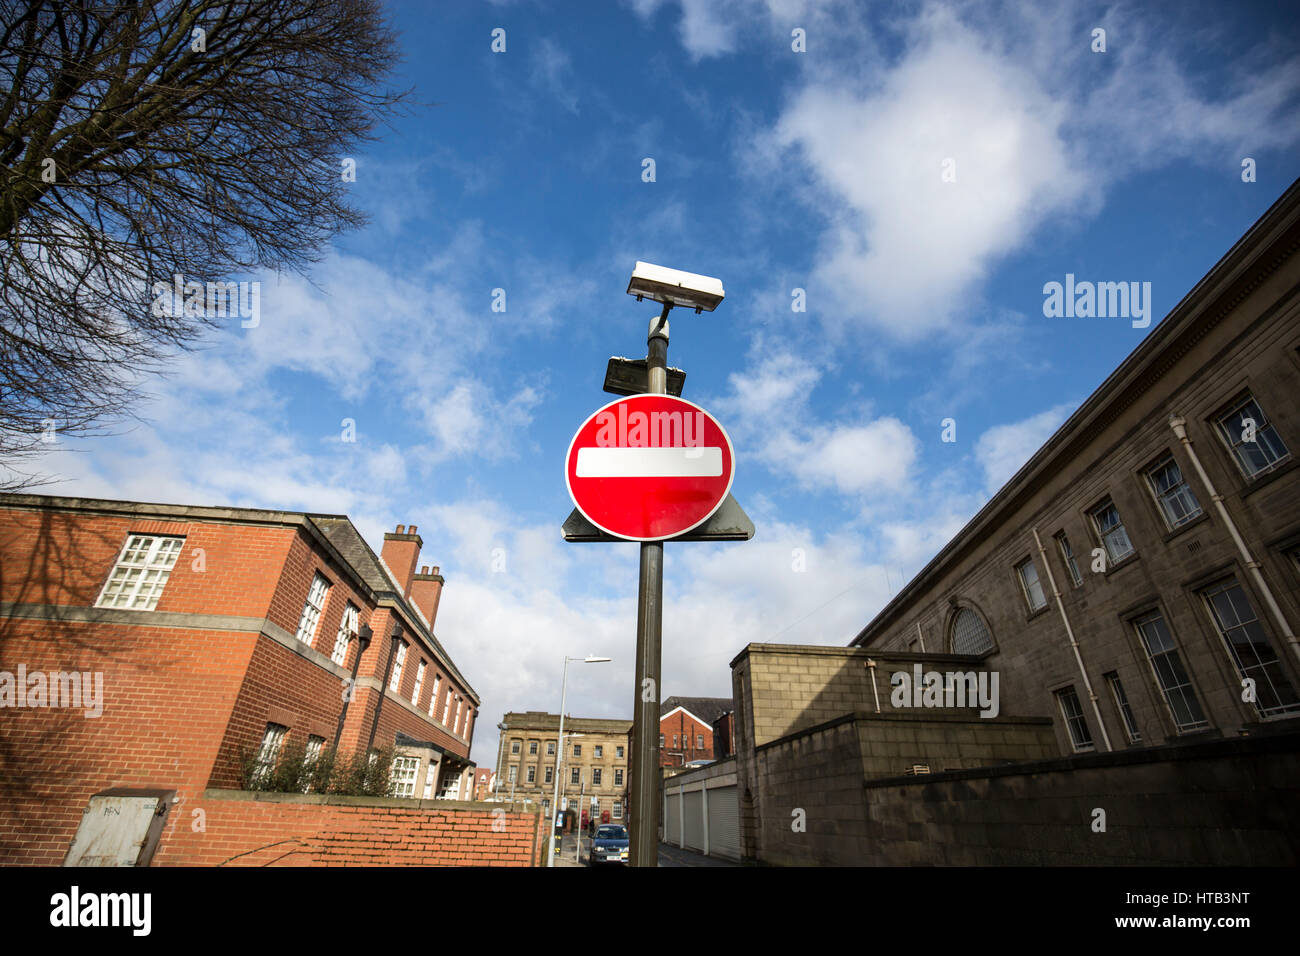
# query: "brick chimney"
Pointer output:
{"type": "Point", "coordinates": [401, 552]}
{"type": "Point", "coordinates": [426, 591]}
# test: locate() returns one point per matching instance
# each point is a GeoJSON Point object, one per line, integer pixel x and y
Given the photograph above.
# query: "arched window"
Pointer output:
{"type": "Point", "coordinates": [969, 635]}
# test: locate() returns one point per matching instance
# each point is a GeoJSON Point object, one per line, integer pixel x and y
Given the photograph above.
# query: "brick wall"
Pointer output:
{"type": "Point", "coordinates": [168, 693]}
{"type": "Point", "coordinates": [243, 829]}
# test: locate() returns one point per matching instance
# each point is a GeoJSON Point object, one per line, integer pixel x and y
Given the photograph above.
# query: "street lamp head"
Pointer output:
{"type": "Point", "coordinates": [596, 660]}
{"type": "Point", "coordinates": [675, 288]}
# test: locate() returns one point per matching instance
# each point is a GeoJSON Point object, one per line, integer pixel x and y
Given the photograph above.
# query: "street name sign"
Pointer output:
{"type": "Point", "coordinates": [649, 467]}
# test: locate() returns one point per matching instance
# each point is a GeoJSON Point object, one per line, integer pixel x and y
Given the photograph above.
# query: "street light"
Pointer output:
{"type": "Point", "coordinates": [674, 287]}
{"type": "Point", "coordinates": [559, 757]}
{"type": "Point", "coordinates": [496, 779]}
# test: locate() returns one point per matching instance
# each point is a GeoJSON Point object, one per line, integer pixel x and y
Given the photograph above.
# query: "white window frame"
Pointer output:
{"type": "Point", "coordinates": [1078, 718]}
{"type": "Point", "coordinates": [1122, 705]}
{"type": "Point", "coordinates": [433, 694]}
{"type": "Point", "coordinates": [348, 625]}
{"type": "Point", "coordinates": [152, 559]}
{"type": "Point", "coordinates": [1067, 556]}
{"type": "Point", "coordinates": [1104, 536]}
{"type": "Point", "coordinates": [618, 776]}
{"type": "Point", "coordinates": [532, 748]}
{"type": "Point", "coordinates": [404, 775]}
{"type": "Point", "coordinates": [272, 743]}
{"type": "Point", "coordinates": [616, 812]}
{"type": "Point", "coordinates": [313, 609]}
{"type": "Point", "coordinates": [1171, 653]}
{"type": "Point", "coordinates": [1265, 673]}
{"type": "Point", "coordinates": [699, 741]}
{"type": "Point", "coordinates": [395, 681]}
{"type": "Point", "coordinates": [419, 681]}
{"type": "Point", "coordinates": [595, 776]}
{"type": "Point", "coordinates": [512, 775]}
{"type": "Point", "coordinates": [532, 773]}
{"type": "Point", "coordinates": [618, 753]}
{"type": "Point", "coordinates": [1232, 437]}
{"type": "Point", "coordinates": [575, 776]}
{"type": "Point", "coordinates": [1031, 588]}
{"type": "Point", "coordinates": [1179, 491]}
{"type": "Point", "coordinates": [600, 751]}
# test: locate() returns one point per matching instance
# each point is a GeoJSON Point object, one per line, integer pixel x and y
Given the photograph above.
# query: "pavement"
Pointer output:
{"type": "Point", "coordinates": [668, 855]}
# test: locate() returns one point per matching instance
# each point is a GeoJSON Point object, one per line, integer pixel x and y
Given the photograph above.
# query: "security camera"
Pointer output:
{"type": "Point", "coordinates": [675, 288]}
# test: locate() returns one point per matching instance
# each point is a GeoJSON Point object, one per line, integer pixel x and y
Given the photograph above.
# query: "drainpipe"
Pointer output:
{"type": "Point", "coordinates": [383, 688]}
{"type": "Point", "coordinates": [1074, 643]}
{"type": "Point", "coordinates": [363, 641]}
{"type": "Point", "coordinates": [1179, 425]}
{"type": "Point", "coordinates": [875, 690]}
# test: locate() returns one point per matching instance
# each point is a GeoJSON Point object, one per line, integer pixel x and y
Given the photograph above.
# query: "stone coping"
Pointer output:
{"type": "Point", "coordinates": [1268, 743]}
{"type": "Point", "coordinates": [340, 800]}
{"type": "Point", "coordinates": [914, 716]}
{"type": "Point", "coordinates": [822, 650]}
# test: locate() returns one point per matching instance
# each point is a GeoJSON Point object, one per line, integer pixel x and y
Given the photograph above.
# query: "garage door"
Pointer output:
{"type": "Point", "coordinates": [724, 823]}
{"type": "Point", "coordinates": [694, 810]}
{"type": "Point", "coordinates": [672, 819]}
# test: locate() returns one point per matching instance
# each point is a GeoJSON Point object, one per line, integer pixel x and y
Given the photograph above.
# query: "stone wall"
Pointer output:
{"type": "Point", "coordinates": [808, 786]}
{"type": "Point", "coordinates": [1232, 802]}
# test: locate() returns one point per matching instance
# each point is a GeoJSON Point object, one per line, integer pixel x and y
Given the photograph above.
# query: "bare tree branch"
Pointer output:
{"type": "Point", "coordinates": [146, 144]}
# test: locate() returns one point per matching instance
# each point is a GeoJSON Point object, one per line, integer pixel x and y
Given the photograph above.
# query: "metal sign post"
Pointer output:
{"type": "Point", "coordinates": [644, 766]}
{"type": "Point", "coordinates": [726, 521]}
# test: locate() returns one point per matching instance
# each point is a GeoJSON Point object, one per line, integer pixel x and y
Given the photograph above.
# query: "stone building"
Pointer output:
{"type": "Point", "coordinates": [593, 765]}
{"type": "Point", "coordinates": [1122, 614]}
{"type": "Point", "coordinates": [208, 634]}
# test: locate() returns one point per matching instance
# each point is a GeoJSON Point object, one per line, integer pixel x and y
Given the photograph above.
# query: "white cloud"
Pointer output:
{"type": "Point", "coordinates": [903, 245]}
{"type": "Point", "coordinates": [1003, 449]}
{"type": "Point", "coordinates": [1036, 126]}
{"type": "Point", "coordinates": [551, 71]}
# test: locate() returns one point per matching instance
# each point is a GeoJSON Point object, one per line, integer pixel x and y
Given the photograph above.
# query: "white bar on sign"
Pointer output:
{"type": "Point", "coordinates": [704, 462]}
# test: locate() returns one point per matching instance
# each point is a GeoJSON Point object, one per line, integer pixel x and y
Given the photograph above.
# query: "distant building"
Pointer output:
{"type": "Point", "coordinates": [593, 765]}
{"type": "Point", "coordinates": [483, 780]}
{"type": "Point", "coordinates": [686, 729]}
{"type": "Point", "coordinates": [200, 636]}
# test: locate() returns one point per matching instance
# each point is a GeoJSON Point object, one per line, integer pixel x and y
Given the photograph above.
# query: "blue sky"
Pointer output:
{"type": "Point", "coordinates": [775, 170]}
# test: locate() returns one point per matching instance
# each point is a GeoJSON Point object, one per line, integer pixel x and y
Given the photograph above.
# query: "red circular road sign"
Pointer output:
{"type": "Point", "coordinates": [649, 467]}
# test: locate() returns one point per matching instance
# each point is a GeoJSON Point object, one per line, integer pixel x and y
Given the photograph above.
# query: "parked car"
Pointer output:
{"type": "Point", "coordinates": [610, 844]}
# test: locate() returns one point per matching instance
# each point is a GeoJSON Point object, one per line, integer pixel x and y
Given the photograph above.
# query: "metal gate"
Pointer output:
{"type": "Point", "coordinates": [694, 810]}
{"type": "Point", "coordinates": [120, 827]}
{"type": "Point", "coordinates": [724, 822]}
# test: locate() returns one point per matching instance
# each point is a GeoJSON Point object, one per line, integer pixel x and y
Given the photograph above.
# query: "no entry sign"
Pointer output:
{"type": "Point", "coordinates": [649, 467]}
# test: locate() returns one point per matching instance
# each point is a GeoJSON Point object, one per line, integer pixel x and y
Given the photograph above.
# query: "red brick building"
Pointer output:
{"type": "Point", "coordinates": [686, 728]}
{"type": "Point", "coordinates": [199, 633]}
{"type": "Point", "coordinates": [483, 777]}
